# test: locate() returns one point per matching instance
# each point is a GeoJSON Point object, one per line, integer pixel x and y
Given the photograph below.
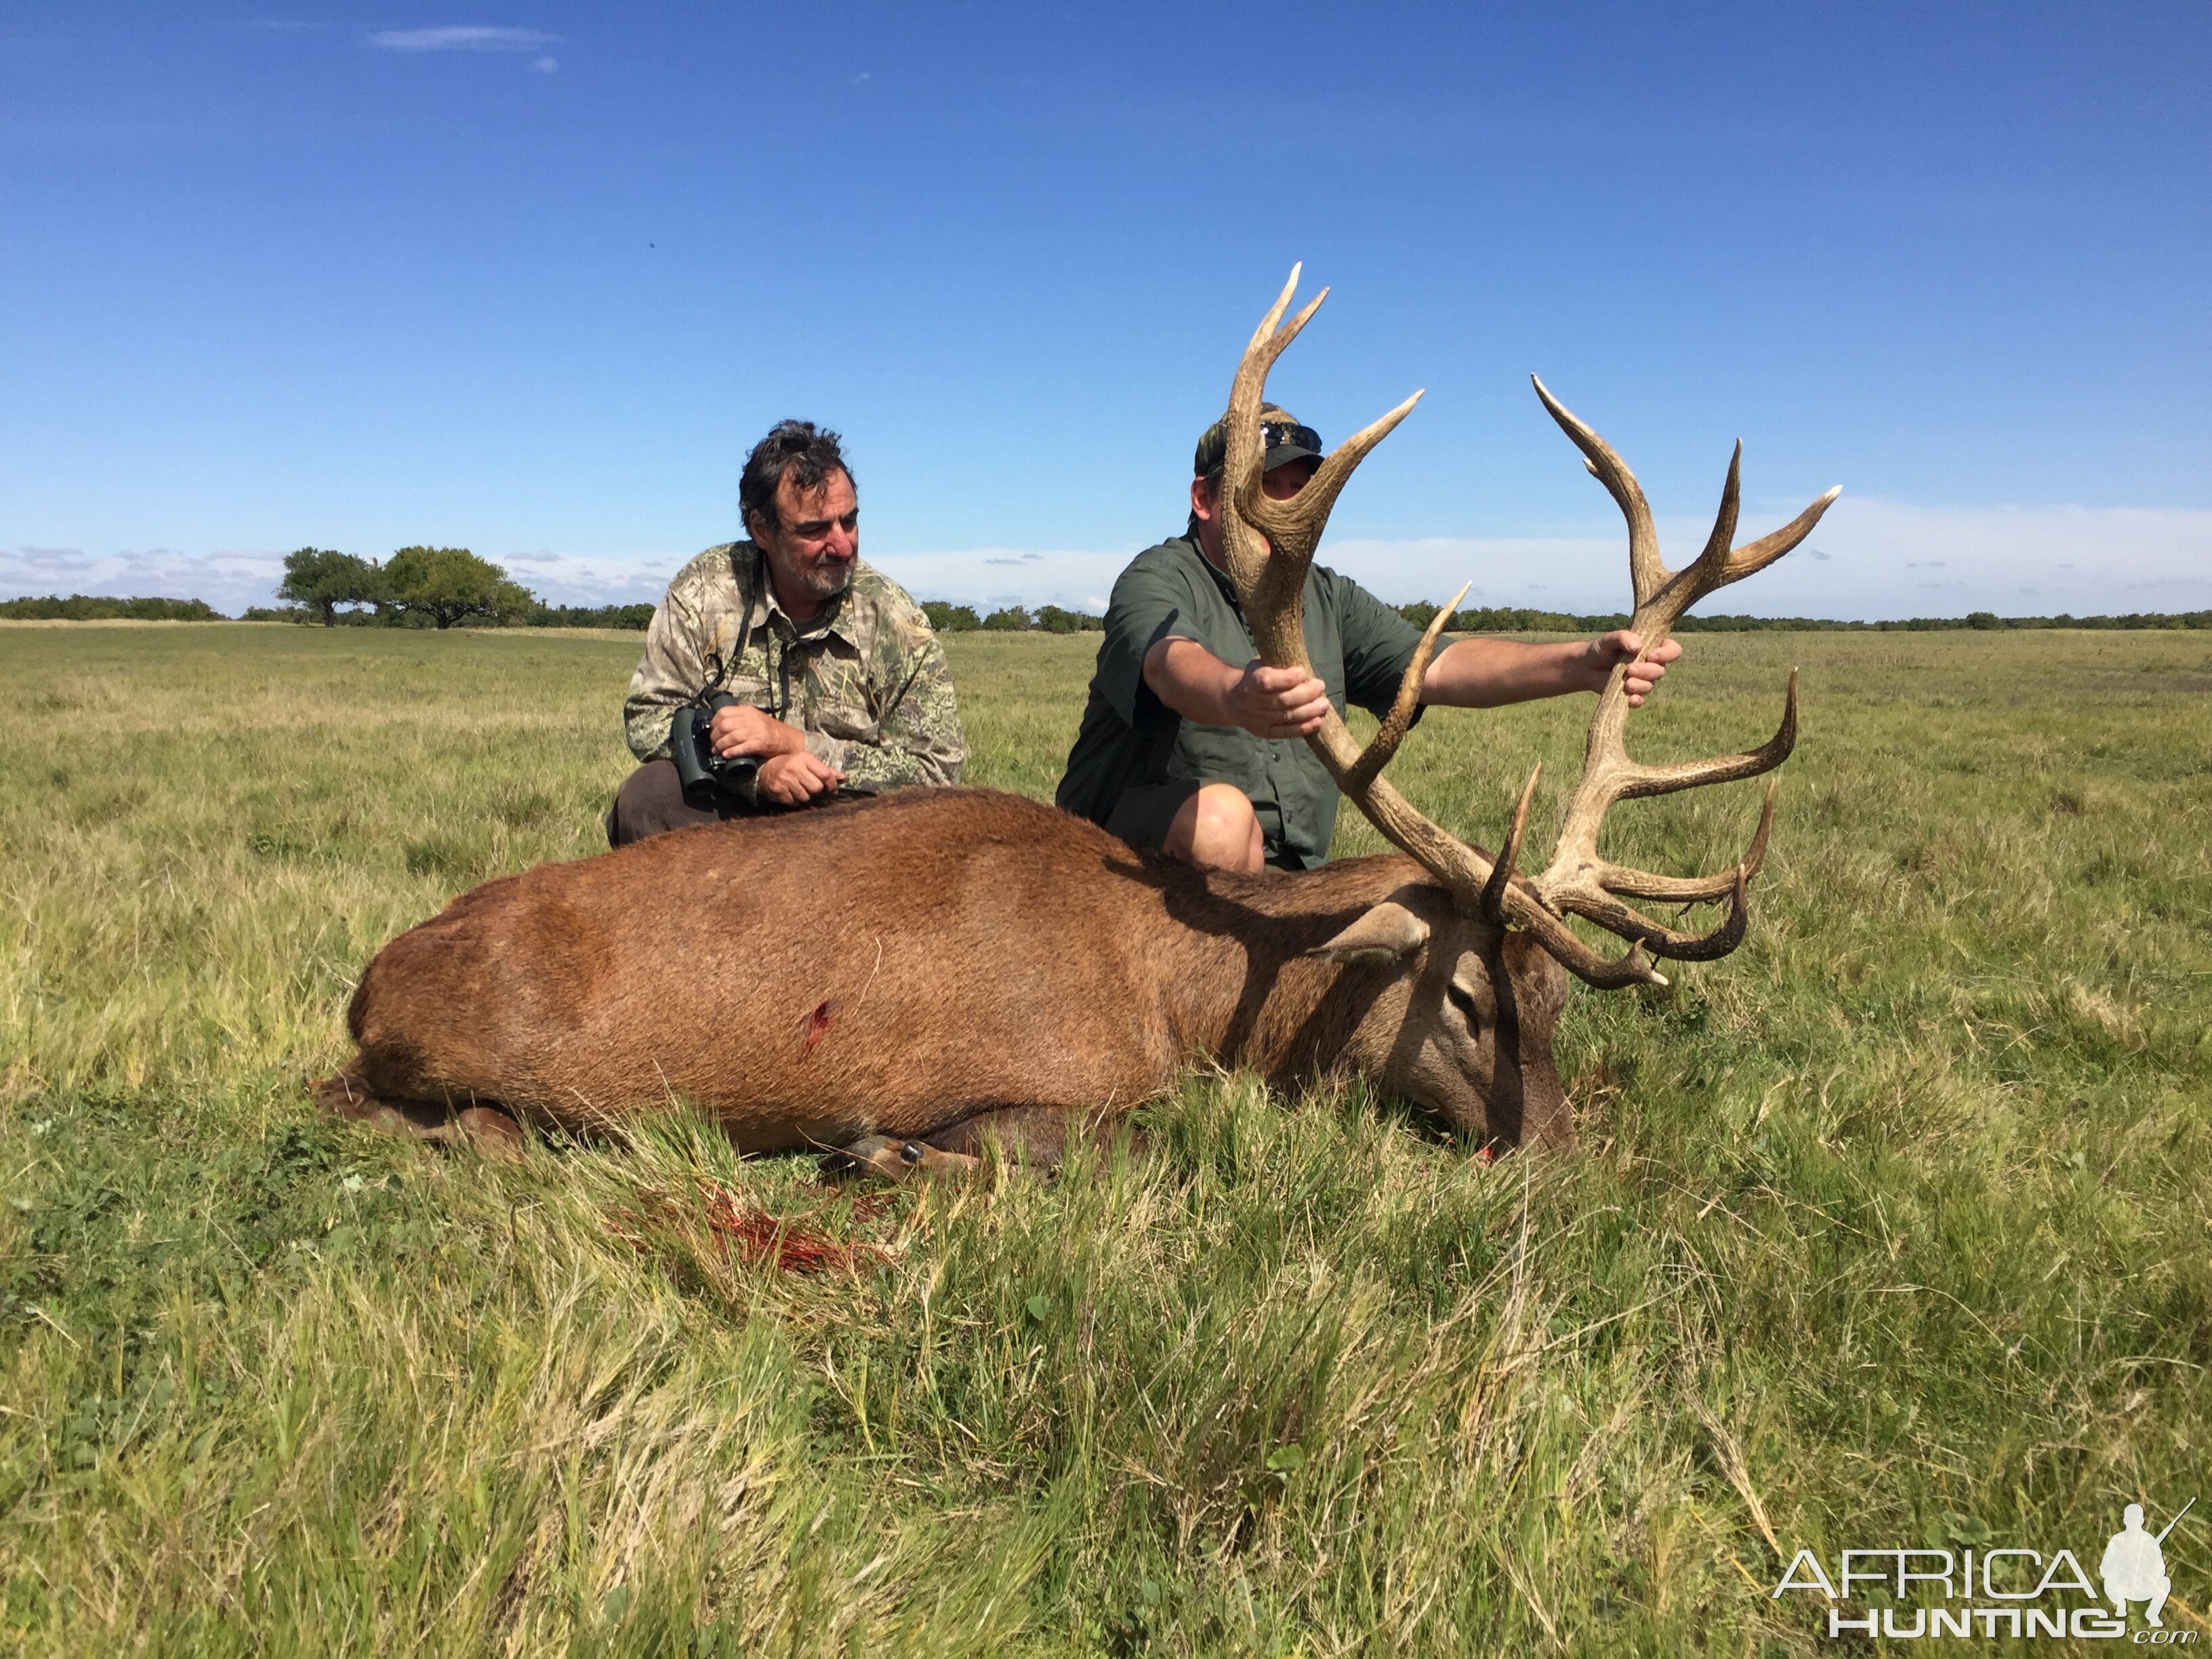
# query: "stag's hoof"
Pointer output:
{"type": "Point", "coordinates": [489, 1130]}
{"type": "Point", "coordinates": [894, 1159]}
{"type": "Point", "coordinates": [347, 1097]}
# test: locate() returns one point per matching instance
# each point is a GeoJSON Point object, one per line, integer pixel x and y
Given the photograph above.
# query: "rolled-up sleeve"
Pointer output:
{"type": "Point", "coordinates": [1378, 643]}
{"type": "Point", "coordinates": [1148, 604]}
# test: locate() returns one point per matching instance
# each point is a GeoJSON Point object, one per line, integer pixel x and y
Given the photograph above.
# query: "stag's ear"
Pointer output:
{"type": "Point", "coordinates": [1385, 934]}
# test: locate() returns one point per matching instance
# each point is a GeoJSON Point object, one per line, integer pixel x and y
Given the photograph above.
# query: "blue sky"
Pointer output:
{"type": "Point", "coordinates": [529, 279]}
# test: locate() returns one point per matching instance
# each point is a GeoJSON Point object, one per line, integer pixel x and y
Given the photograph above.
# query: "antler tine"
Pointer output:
{"type": "Point", "coordinates": [1273, 340]}
{"type": "Point", "coordinates": [1599, 973]}
{"type": "Point", "coordinates": [1721, 563]}
{"type": "Point", "coordinates": [1748, 561]}
{"type": "Point", "coordinates": [1664, 941]}
{"type": "Point", "coordinates": [1724, 536]}
{"type": "Point", "coordinates": [1268, 343]}
{"type": "Point", "coordinates": [1466, 873]}
{"type": "Point", "coordinates": [1646, 571]}
{"type": "Point", "coordinates": [1270, 580]}
{"type": "Point", "coordinates": [1400, 720]}
{"type": "Point", "coordinates": [1493, 890]}
{"type": "Point", "coordinates": [1696, 890]}
{"type": "Point", "coordinates": [1298, 522]}
{"type": "Point", "coordinates": [1639, 782]}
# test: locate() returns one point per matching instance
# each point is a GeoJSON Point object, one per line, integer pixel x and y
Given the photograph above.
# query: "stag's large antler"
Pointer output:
{"type": "Point", "coordinates": [1269, 545]}
{"type": "Point", "coordinates": [1577, 880]}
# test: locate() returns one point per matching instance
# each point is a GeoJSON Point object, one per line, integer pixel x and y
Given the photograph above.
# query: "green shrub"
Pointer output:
{"type": "Point", "coordinates": [949, 619]}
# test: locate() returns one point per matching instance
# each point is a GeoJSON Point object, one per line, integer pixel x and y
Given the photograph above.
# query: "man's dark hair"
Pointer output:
{"type": "Point", "coordinates": [808, 453]}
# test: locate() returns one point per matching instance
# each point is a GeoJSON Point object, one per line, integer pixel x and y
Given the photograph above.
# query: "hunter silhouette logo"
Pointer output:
{"type": "Point", "coordinates": [2134, 1567]}
{"type": "Point", "coordinates": [1907, 1594]}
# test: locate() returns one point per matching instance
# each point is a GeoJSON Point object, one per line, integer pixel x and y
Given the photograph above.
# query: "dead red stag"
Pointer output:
{"type": "Point", "coordinates": [903, 977]}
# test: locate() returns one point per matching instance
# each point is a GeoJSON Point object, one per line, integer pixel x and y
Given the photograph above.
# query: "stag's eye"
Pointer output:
{"type": "Point", "coordinates": [1463, 999]}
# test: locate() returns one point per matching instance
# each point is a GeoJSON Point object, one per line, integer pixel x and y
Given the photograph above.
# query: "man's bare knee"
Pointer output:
{"type": "Point", "coordinates": [1216, 827]}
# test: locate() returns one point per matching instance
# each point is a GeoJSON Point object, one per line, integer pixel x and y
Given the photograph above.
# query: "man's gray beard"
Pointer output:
{"type": "Point", "coordinates": [822, 583]}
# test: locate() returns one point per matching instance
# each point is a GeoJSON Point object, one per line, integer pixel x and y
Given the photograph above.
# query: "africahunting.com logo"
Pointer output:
{"type": "Point", "coordinates": [1903, 1593]}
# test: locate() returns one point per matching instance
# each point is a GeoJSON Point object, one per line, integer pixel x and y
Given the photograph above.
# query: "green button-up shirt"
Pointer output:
{"type": "Point", "coordinates": [1129, 738]}
{"type": "Point", "coordinates": [865, 679]}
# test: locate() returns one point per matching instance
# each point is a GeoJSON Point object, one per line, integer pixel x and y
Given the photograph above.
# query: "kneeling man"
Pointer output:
{"type": "Point", "coordinates": [840, 685]}
{"type": "Point", "coordinates": [1183, 750]}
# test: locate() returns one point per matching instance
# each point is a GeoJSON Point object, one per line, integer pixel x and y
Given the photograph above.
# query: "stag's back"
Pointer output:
{"type": "Point", "coordinates": [894, 966]}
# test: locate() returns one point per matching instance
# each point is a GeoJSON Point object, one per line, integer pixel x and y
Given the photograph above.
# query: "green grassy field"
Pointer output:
{"type": "Point", "coordinates": [1892, 1229]}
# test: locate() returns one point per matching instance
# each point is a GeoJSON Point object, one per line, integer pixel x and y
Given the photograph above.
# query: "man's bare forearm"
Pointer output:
{"type": "Point", "coordinates": [1268, 702]}
{"type": "Point", "coordinates": [1191, 680]}
{"type": "Point", "coordinates": [1486, 673]}
{"type": "Point", "coordinates": [1468, 674]}
{"type": "Point", "coordinates": [1490, 674]}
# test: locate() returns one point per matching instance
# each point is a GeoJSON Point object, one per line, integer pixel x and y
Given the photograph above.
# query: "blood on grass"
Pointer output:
{"type": "Point", "coordinates": [741, 1230]}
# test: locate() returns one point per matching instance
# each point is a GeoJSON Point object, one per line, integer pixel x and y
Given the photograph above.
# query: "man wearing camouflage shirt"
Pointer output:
{"type": "Point", "coordinates": [840, 683]}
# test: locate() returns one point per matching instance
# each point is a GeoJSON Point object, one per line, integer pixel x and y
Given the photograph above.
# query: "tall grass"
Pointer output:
{"type": "Point", "coordinates": [1890, 1228]}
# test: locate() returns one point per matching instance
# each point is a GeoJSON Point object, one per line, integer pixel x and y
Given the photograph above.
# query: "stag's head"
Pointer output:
{"type": "Point", "coordinates": [1477, 969]}
{"type": "Point", "coordinates": [1457, 1014]}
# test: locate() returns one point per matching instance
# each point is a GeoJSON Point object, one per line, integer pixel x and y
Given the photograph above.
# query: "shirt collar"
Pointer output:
{"type": "Point", "coordinates": [1220, 577]}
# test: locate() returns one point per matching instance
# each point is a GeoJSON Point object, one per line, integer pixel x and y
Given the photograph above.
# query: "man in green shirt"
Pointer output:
{"type": "Point", "coordinates": [838, 682]}
{"type": "Point", "coordinates": [1181, 750]}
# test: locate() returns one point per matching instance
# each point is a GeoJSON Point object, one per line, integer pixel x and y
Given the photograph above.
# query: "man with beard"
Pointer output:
{"type": "Point", "coordinates": [840, 686]}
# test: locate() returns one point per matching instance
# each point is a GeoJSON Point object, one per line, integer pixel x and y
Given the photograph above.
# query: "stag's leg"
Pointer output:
{"type": "Point", "coordinates": [1038, 1136]}
{"type": "Point", "coordinates": [490, 1130]}
{"type": "Point", "coordinates": [897, 1159]}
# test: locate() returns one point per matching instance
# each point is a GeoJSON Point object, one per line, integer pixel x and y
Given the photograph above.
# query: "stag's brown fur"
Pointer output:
{"type": "Point", "coordinates": [911, 965]}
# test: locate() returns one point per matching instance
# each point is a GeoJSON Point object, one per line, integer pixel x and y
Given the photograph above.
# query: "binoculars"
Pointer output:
{"type": "Point", "coordinates": [708, 778]}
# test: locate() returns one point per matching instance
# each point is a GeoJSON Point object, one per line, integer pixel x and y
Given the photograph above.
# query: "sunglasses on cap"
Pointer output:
{"type": "Point", "coordinates": [1281, 435]}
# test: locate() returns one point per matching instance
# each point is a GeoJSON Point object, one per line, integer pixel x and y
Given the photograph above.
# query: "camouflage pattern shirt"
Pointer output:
{"type": "Point", "coordinates": [865, 679]}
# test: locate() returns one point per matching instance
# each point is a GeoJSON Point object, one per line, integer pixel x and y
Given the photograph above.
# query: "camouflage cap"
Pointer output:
{"type": "Point", "coordinates": [1285, 439]}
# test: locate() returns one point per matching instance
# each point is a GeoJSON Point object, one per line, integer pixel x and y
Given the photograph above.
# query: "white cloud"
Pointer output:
{"type": "Point", "coordinates": [465, 37]}
{"type": "Point", "coordinates": [566, 579]}
{"type": "Point", "coordinates": [547, 66]}
{"type": "Point", "coordinates": [1865, 561]}
{"type": "Point", "coordinates": [232, 580]}
{"type": "Point", "coordinates": [1869, 559]}
{"type": "Point", "coordinates": [227, 581]}
{"type": "Point", "coordinates": [996, 576]}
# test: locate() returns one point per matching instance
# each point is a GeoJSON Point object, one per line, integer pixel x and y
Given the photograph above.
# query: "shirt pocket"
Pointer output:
{"type": "Point", "coordinates": [837, 717]}
{"type": "Point", "coordinates": [757, 690]}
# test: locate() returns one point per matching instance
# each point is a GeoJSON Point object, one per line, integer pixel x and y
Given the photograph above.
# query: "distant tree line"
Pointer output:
{"type": "Point", "coordinates": [88, 607]}
{"type": "Point", "coordinates": [449, 587]}
{"type": "Point", "coordinates": [1509, 620]}
{"type": "Point", "coordinates": [416, 588]}
{"type": "Point", "coordinates": [948, 618]}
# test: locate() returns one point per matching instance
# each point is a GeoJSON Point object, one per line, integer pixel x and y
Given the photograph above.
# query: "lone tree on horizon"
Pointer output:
{"type": "Point", "coordinates": [449, 584]}
{"type": "Point", "coordinates": [322, 580]}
